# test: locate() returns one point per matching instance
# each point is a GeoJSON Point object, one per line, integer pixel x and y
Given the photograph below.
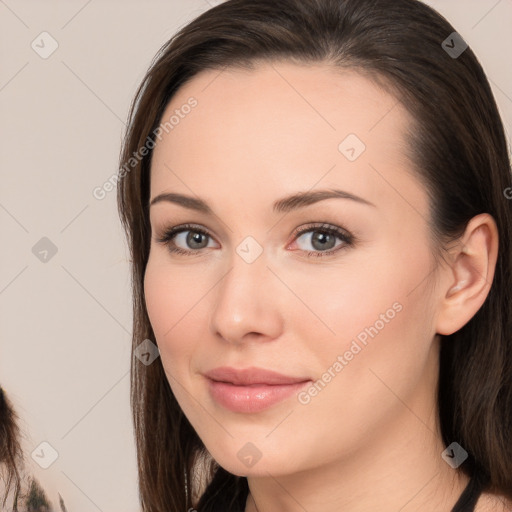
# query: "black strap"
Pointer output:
{"type": "Point", "coordinates": [470, 495]}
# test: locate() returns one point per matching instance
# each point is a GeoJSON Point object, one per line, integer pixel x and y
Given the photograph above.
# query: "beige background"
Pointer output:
{"type": "Point", "coordinates": [66, 323]}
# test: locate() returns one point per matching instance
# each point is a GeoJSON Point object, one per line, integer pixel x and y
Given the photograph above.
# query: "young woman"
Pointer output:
{"type": "Point", "coordinates": [315, 198]}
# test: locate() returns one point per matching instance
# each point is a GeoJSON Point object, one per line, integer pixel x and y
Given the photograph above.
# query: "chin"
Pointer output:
{"type": "Point", "coordinates": [249, 461]}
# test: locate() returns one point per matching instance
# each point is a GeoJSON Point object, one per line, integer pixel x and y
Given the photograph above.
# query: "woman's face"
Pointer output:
{"type": "Point", "coordinates": [350, 309]}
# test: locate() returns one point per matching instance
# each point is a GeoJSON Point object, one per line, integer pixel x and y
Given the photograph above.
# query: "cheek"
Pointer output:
{"type": "Point", "coordinates": [381, 320]}
{"type": "Point", "coordinates": [170, 299]}
{"type": "Point", "coordinates": [382, 317]}
{"type": "Point", "coordinates": [381, 350]}
{"type": "Point", "coordinates": [382, 290]}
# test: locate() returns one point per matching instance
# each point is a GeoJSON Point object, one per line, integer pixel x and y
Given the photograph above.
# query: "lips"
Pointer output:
{"type": "Point", "coordinates": [251, 390]}
{"type": "Point", "coordinates": [253, 375]}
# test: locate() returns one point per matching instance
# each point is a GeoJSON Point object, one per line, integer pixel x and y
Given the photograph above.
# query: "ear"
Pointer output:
{"type": "Point", "coordinates": [470, 274]}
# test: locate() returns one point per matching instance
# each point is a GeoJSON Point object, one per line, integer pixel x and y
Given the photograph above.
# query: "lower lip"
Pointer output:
{"type": "Point", "coordinates": [254, 398]}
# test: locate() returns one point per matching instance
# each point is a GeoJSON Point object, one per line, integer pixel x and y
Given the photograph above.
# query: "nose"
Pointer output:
{"type": "Point", "coordinates": [247, 302]}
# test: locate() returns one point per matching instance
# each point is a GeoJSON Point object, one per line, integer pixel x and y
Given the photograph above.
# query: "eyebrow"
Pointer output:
{"type": "Point", "coordinates": [286, 204]}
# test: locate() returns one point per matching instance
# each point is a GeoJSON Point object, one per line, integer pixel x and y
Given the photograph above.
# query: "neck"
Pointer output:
{"type": "Point", "coordinates": [403, 480]}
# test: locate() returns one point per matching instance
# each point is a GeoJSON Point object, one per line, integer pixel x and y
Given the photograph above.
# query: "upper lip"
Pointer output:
{"type": "Point", "coordinates": [252, 375]}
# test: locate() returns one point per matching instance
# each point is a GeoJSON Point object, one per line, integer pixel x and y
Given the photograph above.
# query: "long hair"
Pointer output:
{"type": "Point", "coordinates": [459, 152]}
{"type": "Point", "coordinates": [11, 454]}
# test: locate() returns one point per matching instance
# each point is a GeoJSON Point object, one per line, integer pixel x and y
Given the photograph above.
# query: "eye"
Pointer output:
{"type": "Point", "coordinates": [323, 239]}
{"type": "Point", "coordinates": [187, 234]}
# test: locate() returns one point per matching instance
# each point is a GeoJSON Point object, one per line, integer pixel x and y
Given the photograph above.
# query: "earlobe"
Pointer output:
{"type": "Point", "coordinates": [470, 275]}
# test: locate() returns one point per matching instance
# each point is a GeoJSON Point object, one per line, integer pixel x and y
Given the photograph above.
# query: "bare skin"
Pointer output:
{"type": "Point", "coordinates": [369, 440]}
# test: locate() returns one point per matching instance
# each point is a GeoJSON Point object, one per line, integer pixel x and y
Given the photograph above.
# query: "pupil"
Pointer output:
{"type": "Point", "coordinates": [195, 238]}
{"type": "Point", "coordinates": [322, 238]}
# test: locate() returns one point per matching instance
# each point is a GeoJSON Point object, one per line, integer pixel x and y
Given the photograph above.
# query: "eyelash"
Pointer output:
{"type": "Point", "coordinates": [347, 238]}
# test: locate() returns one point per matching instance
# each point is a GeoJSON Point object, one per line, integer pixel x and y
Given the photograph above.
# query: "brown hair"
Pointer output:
{"type": "Point", "coordinates": [460, 154]}
{"type": "Point", "coordinates": [11, 455]}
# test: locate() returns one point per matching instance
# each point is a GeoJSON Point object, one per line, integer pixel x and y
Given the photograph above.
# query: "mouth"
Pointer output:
{"type": "Point", "coordinates": [251, 390]}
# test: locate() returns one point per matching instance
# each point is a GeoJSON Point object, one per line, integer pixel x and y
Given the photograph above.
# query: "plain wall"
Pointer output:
{"type": "Point", "coordinates": [66, 322]}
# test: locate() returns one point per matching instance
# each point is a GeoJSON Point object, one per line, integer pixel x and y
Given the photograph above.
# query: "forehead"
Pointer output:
{"type": "Point", "coordinates": [281, 124]}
